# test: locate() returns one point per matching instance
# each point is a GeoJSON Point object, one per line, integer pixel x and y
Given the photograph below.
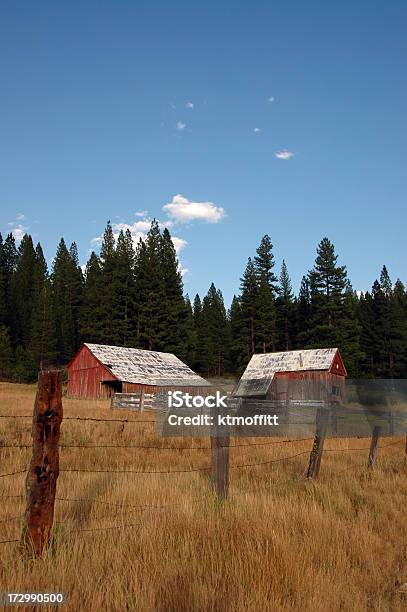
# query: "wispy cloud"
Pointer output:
{"type": "Point", "coordinates": [180, 125]}
{"type": "Point", "coordinates": [271, 99]}
{"type": "Point", "coordinates": [20, 217]}
{"type": "Point", "coordinates": [257, 130]}
{"type": "Point", "coordinates": [286, 155]}
{"type": "Point", "coordinates": [182, 210]}
{"type": "Point", "coordinates": [190, 105]}
{"type": "Point", "coordinates": [141, 213]}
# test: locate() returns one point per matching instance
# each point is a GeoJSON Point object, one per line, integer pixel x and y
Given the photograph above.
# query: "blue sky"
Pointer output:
{"type": "Point", "coordinates": [95, 125]}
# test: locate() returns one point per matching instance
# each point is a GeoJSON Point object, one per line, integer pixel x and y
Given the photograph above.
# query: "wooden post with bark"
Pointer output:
{"type": "Point", "coordinates": [141, 409]}
{"type": "Point", "coordinates": [43, 472]}
{"type": "Point", "coordinates": [318, 445]}
{"type": "Point", "coordinates": [373, 447]}
{"type": "Point", "coordinates": [220, 441]}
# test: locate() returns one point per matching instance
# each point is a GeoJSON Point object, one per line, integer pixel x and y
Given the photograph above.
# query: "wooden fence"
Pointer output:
{"type": "Point", "coordinates": [138, 402]}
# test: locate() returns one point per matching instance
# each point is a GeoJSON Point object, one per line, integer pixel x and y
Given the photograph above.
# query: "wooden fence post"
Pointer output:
{"type": "Point", "coordinates": [141, 401]}
{"type": "Point", "coordinates": [373, 447]}
{"type": "Point", "coordinates": [220, 441]}
{"type": "Point", "coordinates": [318, 445]}
{"type": "Point", "coordinates": [44, 467]}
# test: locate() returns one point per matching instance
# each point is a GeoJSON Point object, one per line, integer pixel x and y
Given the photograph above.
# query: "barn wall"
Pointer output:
{"type": "Point", "coordinates": [85, 374]}
{"type": "Point", "coordinates": [312, 384]}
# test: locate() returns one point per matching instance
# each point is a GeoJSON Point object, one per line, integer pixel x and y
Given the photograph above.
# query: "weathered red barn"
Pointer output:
{"type": "Point", "coordinates": [98, 371]}
{"type": "Point", "coordinates": [309, 374]}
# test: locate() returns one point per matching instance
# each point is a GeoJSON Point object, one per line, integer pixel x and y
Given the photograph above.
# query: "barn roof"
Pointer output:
{"type": "Point", "coordinates": [135, 365]}
{"type": "Point", "coordinates": [262, 367]}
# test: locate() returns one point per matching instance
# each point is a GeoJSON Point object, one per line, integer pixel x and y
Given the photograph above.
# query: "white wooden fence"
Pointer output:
{"type": "Point", "coordinates": [133, 401]}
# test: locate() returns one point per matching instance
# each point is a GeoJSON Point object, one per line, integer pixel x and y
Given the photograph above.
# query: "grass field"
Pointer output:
{"type": "Point", "coordinates": [278, 543]}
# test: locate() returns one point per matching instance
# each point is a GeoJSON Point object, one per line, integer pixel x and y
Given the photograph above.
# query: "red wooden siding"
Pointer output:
{"type": "Point", "coordinates": [338, 367]}
{"type": "Point", "coordinates": [85, 376]}
{"type": "Point", "coordinates": [308, 384]}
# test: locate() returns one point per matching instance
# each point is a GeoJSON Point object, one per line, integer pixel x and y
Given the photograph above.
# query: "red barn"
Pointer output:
{"type": "Point", "coordinates": [309, 374]}
{"type": "Point", "coordinates": [97, 371]}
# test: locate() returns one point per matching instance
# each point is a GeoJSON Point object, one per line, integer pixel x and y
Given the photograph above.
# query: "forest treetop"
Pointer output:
{"type": "Point", "coordinates": [134, 296]}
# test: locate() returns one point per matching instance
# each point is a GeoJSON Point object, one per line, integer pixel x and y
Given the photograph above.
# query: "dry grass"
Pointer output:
{"type": "Point", "coordinates": [278, 543]}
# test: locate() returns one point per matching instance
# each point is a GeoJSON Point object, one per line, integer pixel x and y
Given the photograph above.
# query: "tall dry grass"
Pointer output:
{"type": "Point", "coordinates": [278, 543]}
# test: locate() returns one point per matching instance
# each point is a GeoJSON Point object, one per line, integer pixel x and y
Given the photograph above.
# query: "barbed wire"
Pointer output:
{"type": "Point", "coordinates": [70, 418]}
{"type": "Point", "coordinates": [160, 448]}
{"type": "Point", "coordinates": [13, 473]}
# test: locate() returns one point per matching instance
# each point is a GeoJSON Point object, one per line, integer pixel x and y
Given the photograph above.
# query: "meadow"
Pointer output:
{"type": "Point", "coordinates": [162, 541]}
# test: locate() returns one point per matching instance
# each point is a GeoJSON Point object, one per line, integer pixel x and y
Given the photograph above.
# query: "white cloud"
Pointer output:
{"type": "Point", "coordinates": [284, 154]}
{"type": "Point", "coordinates": [141, 213]}
{"type": "Point", "coordinates": [18, 229]}
{"type": "Point", "coordinates": [190, 105]}
{"type": "Point", "coordinates": [271, 99]}
{"type": "Point", "coordinates": [179, 243]}
{"type": "Point", "coordinates": [180, 125]}
{"type": "Point", "coordinates": [257, 130]}
{"type": "Point", "coordinates": [182, 210]}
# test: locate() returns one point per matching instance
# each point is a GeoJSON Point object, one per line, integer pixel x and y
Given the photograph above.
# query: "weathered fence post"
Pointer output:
{"type": "Point", "coordinates": [318, 445]}
{"type": "Point", "coordinates": [141, 401]}
{"type": "Point", "coordinates": [373, 447]}
{"type": "Point", "coordinates": [220, 441]}
{"type": "Point", "coordinates": [44, 467]}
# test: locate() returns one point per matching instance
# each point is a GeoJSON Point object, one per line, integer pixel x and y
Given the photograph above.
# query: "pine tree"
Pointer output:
{"type": "Point", "coordinates": [198, 362]}
{"type": "Point", "coordinates": [327, 285]}
{"type": "Point", "coordinates": [249, 293]}
{"type": "Point", "coordinates": [10, 258]}
{"type": "Point", "coordinates": [399, 316]}
{"type": "Point", "coordinates": [176, 311]}
{"type": "Point", "coordinates": [264, 264]}
{"type": "Point", "coordinates": [214, 334]}
{"type": "Point", "coordinates": [388, 328]}
{"type": "Point", "coordinates": [3, 292]}
{"type": "Point", "coordinates": [22, 291]}
{"type": "Point", "coordinates": [91, 325]}
{"type": "Point", "coordinates": [66, 300]}
{"type": "Point", "coordinates": [350, 331]}
{"type": "Point", "coordinates": [285, 311]}
{"type": "Point", "coordinates": [108, 261]}
{"type": "Point", "coordinates": [123, 289]}
{"type": "Point", "coordinates": [42, 344]}
{"type": "Point", "coordinates": [6, 354]}
{"type": "Point", "coordinates": [150, 289]}
{"type": "Point", "coordinates": [368, 340]}
{"type": "Point", "coordinates": [238, 352]}
{"type": "Point", "coordinates": [190, 334]}
{"type": "Point", "coordinates": [303, 313]}
{"type": "Point", "coordinates": [265, 318]}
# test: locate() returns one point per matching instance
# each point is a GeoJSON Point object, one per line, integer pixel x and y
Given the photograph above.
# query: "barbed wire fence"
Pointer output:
{"type": "Point", "coordinates": [42, 473]}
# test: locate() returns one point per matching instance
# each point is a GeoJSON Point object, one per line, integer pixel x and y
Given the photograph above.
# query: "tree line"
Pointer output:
{"type": "Point", "coordinates": [134, 297]}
